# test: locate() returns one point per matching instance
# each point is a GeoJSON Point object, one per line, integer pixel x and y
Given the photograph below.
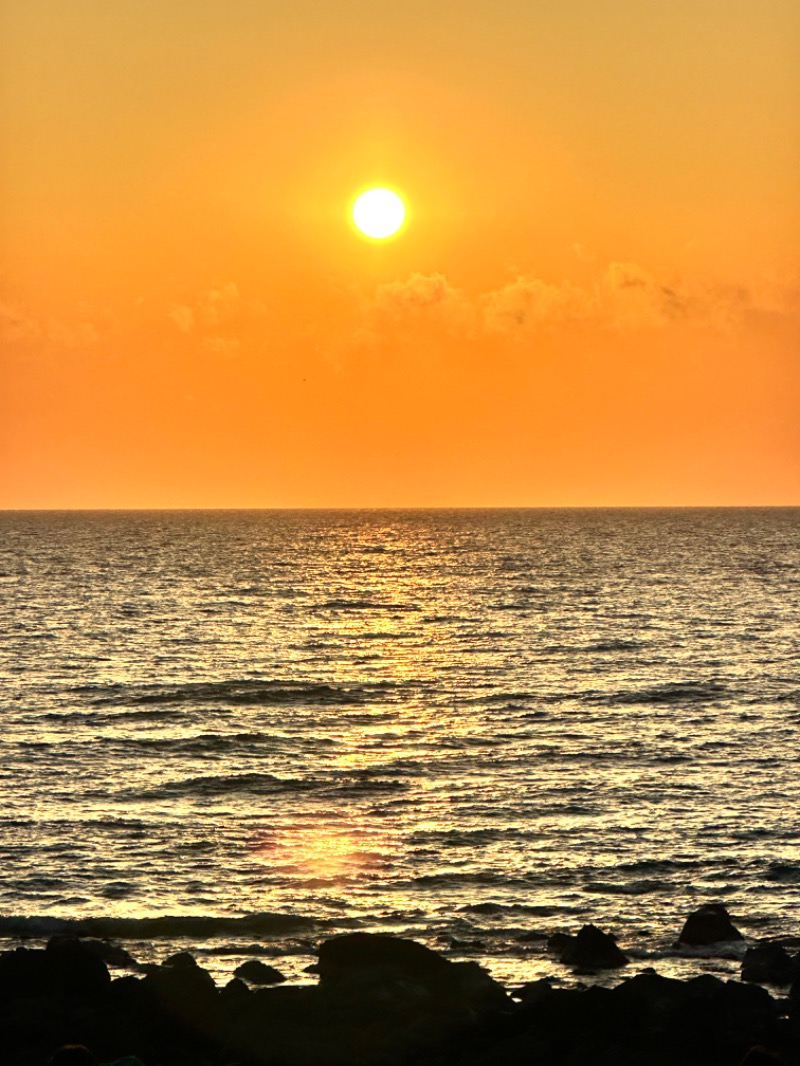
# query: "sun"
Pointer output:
{"type": "Point", "coordinates": [378, 213]}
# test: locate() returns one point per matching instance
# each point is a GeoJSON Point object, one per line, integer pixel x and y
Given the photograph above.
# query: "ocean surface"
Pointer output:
{"type": "Point", "coordinates": [243, 732]}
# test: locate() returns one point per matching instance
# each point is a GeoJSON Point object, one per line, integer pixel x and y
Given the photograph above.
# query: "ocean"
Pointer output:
{"type": "Point", "coordinates": [241, 732]}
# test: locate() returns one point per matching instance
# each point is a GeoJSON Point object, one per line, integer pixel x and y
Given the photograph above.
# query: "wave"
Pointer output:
{"type": "Point", "coordinates": [497, 909]}
{"type": "Point", "coordinates": [241, 692]}
{"type": "Point", "coordinates": [658, 865]}
{"type": "Point", "coordinates": [784, 873]}
{"type": "Point", "coordinates": [219, 785]}
{"type": "Point", "coordinates": [615, 645]}
{"type": "Point", "coordinates": [365, 605]}
{"type": "Point", "coordinates": [203, 743]}
{"type": "Point", "coordinates": [167, 926]}
{"type": "Point", "coordinates": [261, 784]}
{"type": "Point", "coordinates": [670, 692]}
{"type": "Point", "coordinates": [630, 888]}
{"type": "Point", "coordinates": [452, 879]}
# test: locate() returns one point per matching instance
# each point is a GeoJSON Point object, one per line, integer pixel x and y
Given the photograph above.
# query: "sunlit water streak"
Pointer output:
{"type": "Point", "coordinates": [469, 726]}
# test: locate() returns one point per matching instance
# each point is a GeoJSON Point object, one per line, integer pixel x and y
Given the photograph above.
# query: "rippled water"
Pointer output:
{"type": "Point", "coordinates": [468, 726]}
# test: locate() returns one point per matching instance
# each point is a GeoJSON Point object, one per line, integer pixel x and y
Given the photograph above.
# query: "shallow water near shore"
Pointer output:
{"type": "Point", "coordinates": [476, 728]}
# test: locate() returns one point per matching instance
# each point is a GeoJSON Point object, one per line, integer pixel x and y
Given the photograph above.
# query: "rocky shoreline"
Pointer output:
{"type": "Point", "coordinates": [381, 1000]}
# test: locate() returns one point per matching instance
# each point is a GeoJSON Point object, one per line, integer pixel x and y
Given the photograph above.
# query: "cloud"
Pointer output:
{"type": "Point", "coordinates": [183, 317]}
{"type": "Point", "coordinates": [213, 308]}
{"type": "Point", "coordinates": [217, 319]}
{"type": "Point", "coordinates": [529, 302]}
{"type": "Point", "coordinates": [586, 255]}
{"type": "Point", "coordinates": [219, 304]}
{"type": "Point", "coordinates": [423, 296]}
{"type": "Point", "coordinates": [16, 325]}
{"type": "Point", "coordinates": [20, 328]}
{"type": "Point", "coordinates": [623, 297]}
{"type": "Point", "coordinates": [223, 346]}
{"type": "Point", "coordinates": [626, 297]}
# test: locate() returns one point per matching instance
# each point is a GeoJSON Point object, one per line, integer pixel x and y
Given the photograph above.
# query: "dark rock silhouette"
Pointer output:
{"type": "Point", "coordinates": [182, 960]}
{"type": "Point", "coordinates": [64, 967]}
{"type": "Point", "coordinates": [111, 954]}
{"type": "Point", "coordinates": [771, 964]}
{"type": "Point", "coordinates": [375, 966]}
{"type": "Point", "coordinates": [360, 957]}
{"type": "Point", "coordinates": [72, 1055]}
{"type": "Point", "coordinates": [383, 1001]}
{"type": "Point", "coordinates": [75, 968]}
{"type": "Point", "coordinates": [590, 949]}
{"type": "Point", "coordinates": [710, 924]}
{"type": "Point", "coordinates": [760, 1056]}
{"type": "Point", "coordinates": [259, 973]}
{"type": "Point", "coordinates": [183, 992]}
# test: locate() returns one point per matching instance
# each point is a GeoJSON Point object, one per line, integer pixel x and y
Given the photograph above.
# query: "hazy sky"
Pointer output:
{"type": "Point", "coordinates": [596, 299]}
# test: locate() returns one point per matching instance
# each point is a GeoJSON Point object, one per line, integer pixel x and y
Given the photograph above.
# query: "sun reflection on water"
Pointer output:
{"type": "Point", "coordinates": [327, 852]}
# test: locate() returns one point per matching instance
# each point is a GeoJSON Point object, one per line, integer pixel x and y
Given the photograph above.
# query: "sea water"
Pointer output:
{"type": "Point", "coordinates": [243, 732]}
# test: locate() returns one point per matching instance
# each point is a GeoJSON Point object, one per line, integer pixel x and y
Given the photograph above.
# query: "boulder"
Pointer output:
{"type": "Point", "coordinates": [259, 973]}
{"type": "Point", "coordinates": [111, 954]}
{"type": "Point", "coordinates": [181, 960]}
{"type": "Point", "coordinates": [533, 991]}
{"type": "Point", "coordinates": [183, 992]}
{"type": "Point", "coordinates": [235, 991]}
{"type": "Point", "coordinates": [378, 966]}
{"type": "Point", "coordinates": [24, 973]}
{"type": "Point", "coordinates": [650, 1001]}
{"type": "Point", "coordinates": [710, 924]}
{"type": "Point", "coordinates": [75, 968]}
{"type": "Point", "coordinates": [590, 949]}
{"type": "Point", "coordinates": [359, 956]}
{"type": "Point", "coordinates": [758, 1055]}
{"type": "Point", "coordinates": [769, 964]}
{"type": "Point", "coordinates": [72, 1055]}
{"type": "Point", "coordinates": [65, 968]}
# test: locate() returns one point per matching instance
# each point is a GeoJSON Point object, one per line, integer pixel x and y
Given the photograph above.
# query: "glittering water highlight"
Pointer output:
{"type": "Point", "coordinates": [223, 729]}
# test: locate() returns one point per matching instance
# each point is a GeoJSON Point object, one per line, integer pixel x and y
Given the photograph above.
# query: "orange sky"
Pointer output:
{"type": "Point", "coordinates": [596, 300]}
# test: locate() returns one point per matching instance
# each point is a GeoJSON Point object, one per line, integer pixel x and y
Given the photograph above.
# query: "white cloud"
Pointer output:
{"type": "Point", "coordinates": [428, 296]}
{"type": "Point", "coordinates": [528, 303]}
{"type": "Point", "coordinates": [183, 317]}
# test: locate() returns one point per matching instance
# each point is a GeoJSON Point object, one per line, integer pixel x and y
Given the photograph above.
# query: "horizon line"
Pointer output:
{"type": "Point", "coordinates": [414, 507]}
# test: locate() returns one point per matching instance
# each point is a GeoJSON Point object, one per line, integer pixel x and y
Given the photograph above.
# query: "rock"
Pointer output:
{"type": "Point", "coordinates": [470, 982]}
{"type": "Point", "coordinates": [111, 954]}
{"type": "Point", "coordinates": [378, 966]}
{"type": "Point", "coordinates": [651, 999]}
{"type": "Point", "coordinates": [760, 1056]}
{"type": "Point", "coordinates": [527, 938]}
{"type": "Point", "coordinates": [72, 1055]}
{"type": "Point", "coordinates": [259, 973]}
{"type": "Point", "coordinates": [533, 991]}
{"type": "Point", "coordinates": [181, 960]}
{"type": "Point", "coordinates": [590, 949]}
{"type": "Point", "coordinates": [76, 969]}
{"type": "Point", "coordinates": [183, 992]}
{"type": "Point", "coordinates": [357, 956]}
{"type": "Point", "coordinates": [23, 974]}
{"type": "Point", "coordinates": [455, 944]}
{"type": "Point", "coordinates": [710, 924]}
{"type": "Point", "coordinates": [235, 991]}
{"type": "Point", "coordinates": [64, 968]}
{"type": "Point", "coordinates": [769, 964]}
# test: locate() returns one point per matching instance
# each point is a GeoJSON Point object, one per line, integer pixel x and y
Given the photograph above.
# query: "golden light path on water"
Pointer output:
{"type": "Point", "coordinates": [475, 729]}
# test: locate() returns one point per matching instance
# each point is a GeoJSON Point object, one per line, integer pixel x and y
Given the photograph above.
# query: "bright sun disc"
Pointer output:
{"type": "Point", "coordinates": [378, 213]}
